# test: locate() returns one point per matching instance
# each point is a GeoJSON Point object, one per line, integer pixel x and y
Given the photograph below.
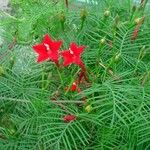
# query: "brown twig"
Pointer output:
{"type": "Point", "coordinates": [142, 2]}
{"type": "Point", "coordinates": [67, 3]}
{"type": "Point", "coordinates": [69, 102]}
{"type": "Point", "coordinates": [83, 73]}
{"type": "Point", "coordinates": [55, 101]}
{"type": "Point", "coordinates": [61, 105]}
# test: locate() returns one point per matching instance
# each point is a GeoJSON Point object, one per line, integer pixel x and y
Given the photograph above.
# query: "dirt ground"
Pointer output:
{"type": "Point", "coordinates": [3, 4]}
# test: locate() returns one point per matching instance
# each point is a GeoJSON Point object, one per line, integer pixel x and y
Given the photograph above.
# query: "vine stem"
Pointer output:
{"type": "Point", "coordinates": [58, 71]}
{"type": "Point", "coordinates": [83, 73]}
{"type": "Point", "coordinates": [67, 3]}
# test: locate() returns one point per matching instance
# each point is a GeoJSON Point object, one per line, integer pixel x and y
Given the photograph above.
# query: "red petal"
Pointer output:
{"type": "Point", "coordinates": [47, 39]}
{"type": "Point", "coordinates": [42, 58]}
{"type": "Point", "coordinates": [53, 56]}
{"type": "Point", "coordinates": [67, 58]}
{"type": "Point", "coordinates": [55, 45]}
{"type": "Point", "coordinates": [41, 50]}
{"type": "Point", "coordinates": [78, 61]}
{"type": "Point", "coordinates": [76, 49]}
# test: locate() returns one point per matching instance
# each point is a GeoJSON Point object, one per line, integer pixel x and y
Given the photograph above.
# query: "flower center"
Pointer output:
{"type": "Point", "coordinates": [74, 83]}
{"type": "Point", "coordinates": [71, 52]}
{"type": "Point", "coordinates": [47, 47]}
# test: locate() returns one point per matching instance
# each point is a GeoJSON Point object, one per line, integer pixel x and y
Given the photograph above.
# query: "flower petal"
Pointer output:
{"type": "Point", "coordinates": [53, 56]}
{"type": "Point", "coordinates": [42, 52]}
{"type": "Point", "coordinates": [47, 40]}
{"type": "Point", "coordinates": [76, 49]}
{"type": "Point", "coordinates": [55, 45]}
{"type": "Point", "coordinates": [42, 58]}
{"type": "Point", "coordinates": [67, 58]}
{"type": "Point", "coordinates": [39, 48]}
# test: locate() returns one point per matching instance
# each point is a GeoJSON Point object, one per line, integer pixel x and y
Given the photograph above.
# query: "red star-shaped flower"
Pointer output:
{"type": "Point", "coordinates": [72, 56]}
{"type": "Point", "coordinates": [48, 49]}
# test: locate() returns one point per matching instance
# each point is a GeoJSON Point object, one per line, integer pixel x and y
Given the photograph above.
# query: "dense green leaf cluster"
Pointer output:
{"type": "Point", "coordinates": [33, 99]}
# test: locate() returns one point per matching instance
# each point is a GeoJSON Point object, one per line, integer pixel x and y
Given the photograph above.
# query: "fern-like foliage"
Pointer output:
{"type": "Point", "coordinates": [33, 99]}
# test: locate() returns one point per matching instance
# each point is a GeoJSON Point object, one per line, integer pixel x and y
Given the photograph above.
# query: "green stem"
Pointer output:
{"type": "Point", "coordinates": [63, 26]}
{"type": "Point", "coordinates": [82, 24]}
{"type": "Point", "coordinates": [43, 75]}
{"type": "Point", "coordinates": [60, 76]}
{"type": "Point", "coordinates": [47, 82]}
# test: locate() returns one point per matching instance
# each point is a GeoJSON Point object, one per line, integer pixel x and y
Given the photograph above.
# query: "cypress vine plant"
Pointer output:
{"type": "Point", "coordinates": [75, 76]}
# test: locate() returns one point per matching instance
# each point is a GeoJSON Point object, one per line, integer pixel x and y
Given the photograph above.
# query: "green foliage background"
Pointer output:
{"type": "Point", "coordinates": [120, 119]}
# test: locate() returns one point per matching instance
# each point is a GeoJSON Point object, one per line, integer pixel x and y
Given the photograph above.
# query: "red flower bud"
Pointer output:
{"type": "Point", "coordinates": [74, 86]}
{"type": "Point", "coordinates": [135, 33]}
{"type": "Point", "coordinates": [69, 118]}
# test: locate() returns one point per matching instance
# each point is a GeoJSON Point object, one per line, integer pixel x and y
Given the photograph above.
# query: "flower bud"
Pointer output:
{"type": "Point", "coordinates": [107, 13]}
{"type": "Point", "coordinates": [88, 108]}
{"type": "Point", "coordinates": [83, 14]}
{"type": "Point", "coordinates": [12, 61]}
{"type": "Point", "coordinates": [117, 19]}
{"type": "Point", "coordinates": [117, 57]}
{"type": "Point", "coordinates": [103, 41]}
{"type": "Point", "coordinates": [62, 17]}
{"type": "Point", "coordinates": [139, 21]}
{"type": "Point", "coordinates": [74, 86]}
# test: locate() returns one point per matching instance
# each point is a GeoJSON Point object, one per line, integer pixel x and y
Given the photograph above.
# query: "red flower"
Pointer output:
{"type": "Point", "coordinates": [69, 118]}
{"type": "Point", "coordinates": [72, 56]}
{"type": "Point", "coordinates": [48, 49]}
